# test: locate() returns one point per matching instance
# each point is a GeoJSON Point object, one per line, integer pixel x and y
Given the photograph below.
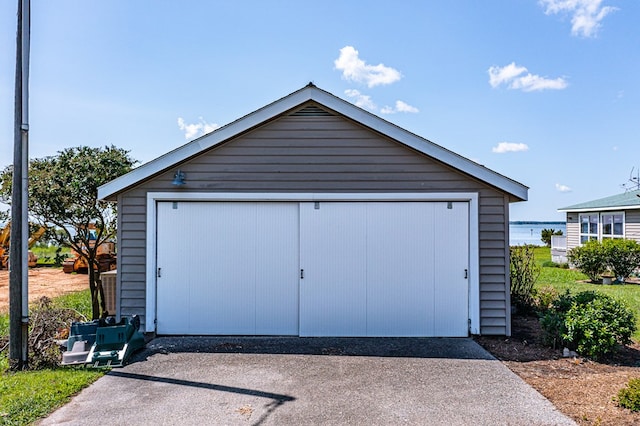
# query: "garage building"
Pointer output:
{"type": "Point", "coordinates": [313, 217]}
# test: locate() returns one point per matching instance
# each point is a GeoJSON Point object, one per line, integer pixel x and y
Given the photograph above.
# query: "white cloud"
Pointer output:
{"type": "Point", "coordinates": [498, 75]}
{"type": "Point", "coordinates": [512, 76]}
{"type": "Point", "coordinates": [562, 188]}
{"type": "Point", "coordinates": [399, 107]}
{"type": "Point", "coordinates": [192, 131]}
{"type": "Point", "coordinates": [355, 69]}
{"type": "Point", "coordinates": [586, 15]}
{"type": "Point", "coordinates": [503, 147]}
{"type": "Point", "coordinates": [405, 107]}
{"type": "Point", "coordinates": [363, 101]}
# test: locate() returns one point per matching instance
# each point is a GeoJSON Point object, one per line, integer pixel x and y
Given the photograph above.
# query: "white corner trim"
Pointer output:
{"type": "Point", "coordinates": [474, 266]}
{"type": "Point", "coordinates": [471, 197]}
{"type": "Point", "coordinates": [150, 305]}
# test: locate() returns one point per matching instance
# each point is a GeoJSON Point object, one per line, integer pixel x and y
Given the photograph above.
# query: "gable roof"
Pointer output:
{"type": "Point", "coordinates": [311, 93]}
{"type": "Point", "coordinates": [625, 201]}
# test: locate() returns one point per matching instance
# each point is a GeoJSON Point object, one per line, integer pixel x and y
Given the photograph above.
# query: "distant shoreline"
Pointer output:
{"type": "Point", "coordinates": [535, 222]}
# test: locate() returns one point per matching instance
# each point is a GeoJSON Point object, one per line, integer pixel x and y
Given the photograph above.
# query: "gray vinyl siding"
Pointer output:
{"type": "Point", "coordinates": [573, 230]}
{"type": "Point", "coordinates": [632, 225]}
{"type": "Point", "coordinates": [320, 154]}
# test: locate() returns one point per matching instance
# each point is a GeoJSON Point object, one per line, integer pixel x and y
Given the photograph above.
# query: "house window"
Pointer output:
{"type": "Point", "coordinates": [612, 225]}
{"type": "Point", "coordinates": [588, 227]}
{"type": "Point", "coordinates": [594, 226]}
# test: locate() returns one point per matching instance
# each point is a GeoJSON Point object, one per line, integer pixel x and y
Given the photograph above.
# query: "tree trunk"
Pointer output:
{"type": "Point", "coordinates": [97, 295]}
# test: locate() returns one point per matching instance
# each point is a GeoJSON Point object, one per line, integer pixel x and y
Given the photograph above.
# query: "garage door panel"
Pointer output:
{"type": "Point", "coordinates": [172, 282]}
{"type": "Point", "coordinates": [221, 288]}
{"type": "Point", "coordinates": [401, 271]}
{"type": "Point", "coordinates": [334, 283]}
{"type": "Point", "coordinates": [451, 260]}
{"type": "Point", "coordinates": [276, 269]}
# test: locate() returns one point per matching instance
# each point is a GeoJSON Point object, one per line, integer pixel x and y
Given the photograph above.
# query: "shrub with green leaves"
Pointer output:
{"type": "Point", "coordinates": [590, 259]}
{"type": "Point", "coordinates": [524, 272]}
{"type": "Point", "coordinates": [629, 396]}
{"type": "Point", "coordinates": [623, 257]}
{"type": "Point", "coordinates": [590, 322]}
{"type": "Point", "coordinates": [552, 321]}
{"type": "Point", "coordinates": [544, 297]}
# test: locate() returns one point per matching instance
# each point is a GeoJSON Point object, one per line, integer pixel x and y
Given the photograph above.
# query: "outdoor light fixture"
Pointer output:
{"type": "Point", "coordinates": [178, 178]}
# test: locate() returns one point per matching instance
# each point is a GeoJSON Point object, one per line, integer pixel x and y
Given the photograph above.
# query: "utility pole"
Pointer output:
{"type": "Point", "coordinates": [18, 253]}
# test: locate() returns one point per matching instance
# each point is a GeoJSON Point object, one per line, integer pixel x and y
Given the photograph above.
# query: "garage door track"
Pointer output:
{"type": "Point", "coordinates": [282, 381]}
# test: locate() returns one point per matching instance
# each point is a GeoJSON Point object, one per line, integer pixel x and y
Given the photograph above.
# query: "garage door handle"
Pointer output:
{"type": "Point", "coordinates": [301, 274]}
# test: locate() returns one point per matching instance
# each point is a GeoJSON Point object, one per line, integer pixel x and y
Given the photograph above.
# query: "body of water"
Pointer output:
{"type": "Point", "coordinates": [529, 232]}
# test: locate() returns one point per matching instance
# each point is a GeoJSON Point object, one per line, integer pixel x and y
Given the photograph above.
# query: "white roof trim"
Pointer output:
{"type": "Point", "coordinates": [601, 209]}
{"type": "Point", "coordinates": [311, 93]}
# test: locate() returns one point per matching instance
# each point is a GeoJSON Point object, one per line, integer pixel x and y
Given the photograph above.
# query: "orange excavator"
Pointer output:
{"type": "Point", "coordinates": [5, 234]}
{"type": "Point", "coordinates": [105, 255]}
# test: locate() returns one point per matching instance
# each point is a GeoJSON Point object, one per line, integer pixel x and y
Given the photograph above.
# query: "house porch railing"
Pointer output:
{"type": "Point", "coordinates": [559, 248]}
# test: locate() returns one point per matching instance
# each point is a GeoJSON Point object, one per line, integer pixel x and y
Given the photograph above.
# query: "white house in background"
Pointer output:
{"type": "Point", "coordinates": [314, 217]}
{"type": "Point", "coordinates": [617, 216]}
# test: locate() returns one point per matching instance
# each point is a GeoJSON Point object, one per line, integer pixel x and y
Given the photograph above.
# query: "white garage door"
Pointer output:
{"type": "Point", "coordinates": [313, 269]}
{"type": "Point", "coordinates": [227, 268]}
{"type": "Point", "coordinates": [384, 269]}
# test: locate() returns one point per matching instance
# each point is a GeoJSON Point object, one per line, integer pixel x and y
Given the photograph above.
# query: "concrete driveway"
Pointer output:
{"type": "Point", "coordinates": [282, 381]}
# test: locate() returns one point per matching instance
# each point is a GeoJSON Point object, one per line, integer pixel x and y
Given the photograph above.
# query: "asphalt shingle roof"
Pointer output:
{"type": "Point", "coordinates": [630, 199]}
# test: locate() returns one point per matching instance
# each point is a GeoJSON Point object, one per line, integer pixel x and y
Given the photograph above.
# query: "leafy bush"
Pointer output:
{"type": "Point", "coordinates": [552, 321]}
{"type": "Point", "coordinates": [546, 234]}
{"type": "Point", "coordinates": [629, 396]}
{"type": "Point", "coordinates": [524, 273]}
{"type": "Point", "coordinates": [544, 297]}
{"type": "Point", "coordinates": [590, 322]}
{"type": "Point", "coordinates": [597, 326]}
{"type": "Point", "coordinates": [589, 258]}
{"type": "Point", "coordinates": [622, 257]}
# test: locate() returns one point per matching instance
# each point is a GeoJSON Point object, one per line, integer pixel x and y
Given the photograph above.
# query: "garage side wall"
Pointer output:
{"type": "Point", "coordinates": [299, 153]}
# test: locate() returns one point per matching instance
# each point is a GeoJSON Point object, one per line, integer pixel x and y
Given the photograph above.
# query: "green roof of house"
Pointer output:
{"type": "Point", "coordinates": [626, 200]}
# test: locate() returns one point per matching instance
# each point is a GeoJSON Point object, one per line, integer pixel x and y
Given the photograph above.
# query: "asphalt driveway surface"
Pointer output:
{"type": "Point", "coordinates": [310, 381]}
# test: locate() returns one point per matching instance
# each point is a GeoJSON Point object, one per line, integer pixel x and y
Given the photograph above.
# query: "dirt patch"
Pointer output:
{"type": "Point", "coordinates": [582, 389]}
{"type": "Point", "coordinates": [48, 282]}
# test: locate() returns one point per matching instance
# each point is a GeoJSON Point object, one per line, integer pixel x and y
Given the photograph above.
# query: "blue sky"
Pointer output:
{"type": "Point", "coordinates": [545, 92]}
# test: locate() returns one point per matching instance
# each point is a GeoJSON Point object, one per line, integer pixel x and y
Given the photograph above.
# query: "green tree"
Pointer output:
{"type": "Point", "coordinates": [546, 234]}
{"type": "Point", "coordinates": [63, 193]}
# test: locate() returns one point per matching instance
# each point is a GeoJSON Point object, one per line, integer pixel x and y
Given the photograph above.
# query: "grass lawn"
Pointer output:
{"type": "Point", "coordinates": [26, 396]}
{"type": "Point", "coordinates": [574, 281]}
{"type": "Point", "coordinates": [47, 254]}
